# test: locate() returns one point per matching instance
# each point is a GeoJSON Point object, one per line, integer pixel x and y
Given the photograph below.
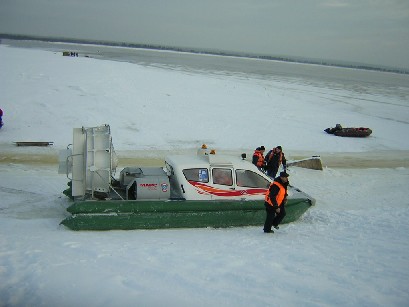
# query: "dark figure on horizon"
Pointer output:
{"type": "Point", "coordinates": [1, 118]}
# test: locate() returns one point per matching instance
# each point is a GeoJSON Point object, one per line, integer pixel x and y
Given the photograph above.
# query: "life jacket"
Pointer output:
{"type": "Point", "coordinates": [272, 153]}
{"type": "Point", "coordinates": [260, 161]}
{"type": "Point", "coordinates": [280, 195]}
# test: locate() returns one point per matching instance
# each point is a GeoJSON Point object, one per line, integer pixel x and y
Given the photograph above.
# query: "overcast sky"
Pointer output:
{"type": "Point", "coordinates": [367, 31]}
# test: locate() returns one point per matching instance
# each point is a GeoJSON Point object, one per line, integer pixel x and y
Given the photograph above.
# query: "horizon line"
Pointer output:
{"type": "Point", "coordinates": [208, 51]}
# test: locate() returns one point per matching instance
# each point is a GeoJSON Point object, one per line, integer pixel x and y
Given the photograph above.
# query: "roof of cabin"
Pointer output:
{"type": "Point", "coordinates": [205, 161]}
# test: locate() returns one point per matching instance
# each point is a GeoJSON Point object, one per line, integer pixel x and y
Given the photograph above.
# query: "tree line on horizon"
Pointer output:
{"type": "Point", "coordinates": [205, 51]}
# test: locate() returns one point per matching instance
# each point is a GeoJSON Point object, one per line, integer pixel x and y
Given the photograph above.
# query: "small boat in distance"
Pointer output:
{"type": "Point", "coordinates": [359, 132]}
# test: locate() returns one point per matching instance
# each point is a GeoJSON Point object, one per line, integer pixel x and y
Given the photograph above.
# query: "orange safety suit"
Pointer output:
{"type": "Point", "coordinates": [279, 199]}
{"type": "Point", "coordinates": [260, 158]}
{"type": "Point", "coordinates": [272, 152]}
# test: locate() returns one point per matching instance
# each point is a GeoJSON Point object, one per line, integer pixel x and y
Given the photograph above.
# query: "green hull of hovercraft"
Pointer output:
{"type": "Point", "coordinates": [126, 215]}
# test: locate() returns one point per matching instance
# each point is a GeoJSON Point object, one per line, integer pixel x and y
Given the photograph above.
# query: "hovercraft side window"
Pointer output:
{"type": "Point", "coordinates": [246, 178]}
{"type": "Point", "coordinates": [196, 174]}
{"type": "Point", "coordinates": [222, 176]}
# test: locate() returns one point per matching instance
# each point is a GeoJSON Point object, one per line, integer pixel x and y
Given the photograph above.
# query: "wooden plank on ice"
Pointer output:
{"type": "Point", "coordinates": [34, 143]}
{"type": "Point", "coordinates": [312, 163]}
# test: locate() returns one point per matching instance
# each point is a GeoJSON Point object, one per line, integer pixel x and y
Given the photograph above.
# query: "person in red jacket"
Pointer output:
{"type": "Point", "coordinates": [274, 158]}
{"type": "Point", "coordinates": [275, 199]}
{"type": "Point", "coordinates": [258, 157]}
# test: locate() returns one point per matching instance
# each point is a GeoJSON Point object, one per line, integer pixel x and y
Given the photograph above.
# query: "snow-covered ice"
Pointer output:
{"type": "Point", "coordinates": [350, 249]}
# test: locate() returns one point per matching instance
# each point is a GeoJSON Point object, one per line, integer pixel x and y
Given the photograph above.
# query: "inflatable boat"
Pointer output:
{"type": "Point", "coordinates": [338, 130]}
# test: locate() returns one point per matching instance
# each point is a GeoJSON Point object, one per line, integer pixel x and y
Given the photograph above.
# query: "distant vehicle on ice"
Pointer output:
{"type": "Point", "coordinates": [359, 132]}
